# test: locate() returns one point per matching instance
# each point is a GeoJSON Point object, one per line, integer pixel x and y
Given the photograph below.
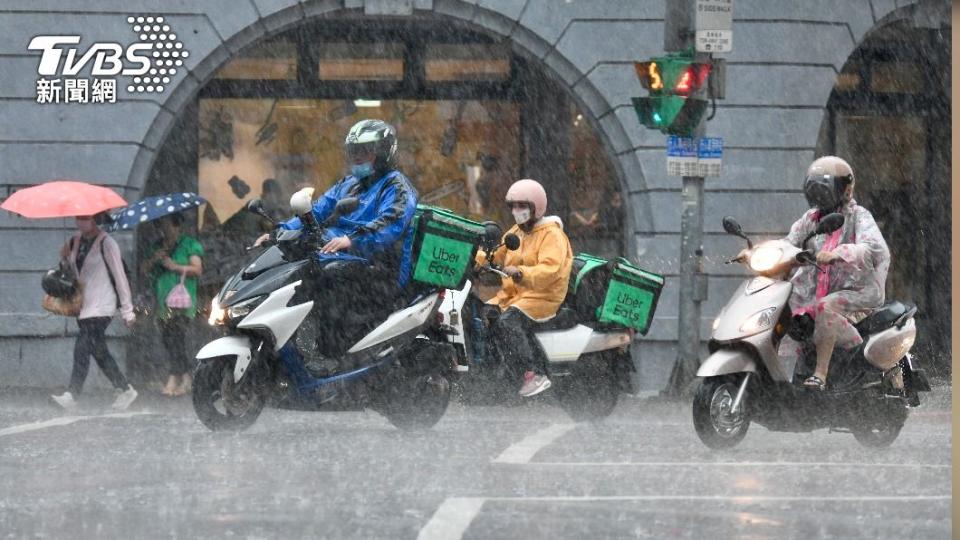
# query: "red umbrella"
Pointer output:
{"type": "Point", "coordinates": [62, 198]}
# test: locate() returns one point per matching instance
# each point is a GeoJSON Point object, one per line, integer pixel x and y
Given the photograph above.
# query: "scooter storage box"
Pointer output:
{"type": "Point", "coordinates": [444, 247]}
{"type": "Point", "coordinates": [615, 292]}
{"type": "Point", "coordinates": [632, 296]}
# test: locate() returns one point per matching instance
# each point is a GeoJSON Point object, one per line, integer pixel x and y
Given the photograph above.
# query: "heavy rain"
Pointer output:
{"type": "Point", "coordinates": [445, 269]}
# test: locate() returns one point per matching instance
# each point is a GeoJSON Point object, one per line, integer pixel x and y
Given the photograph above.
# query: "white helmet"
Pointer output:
{"type": "Point", "coordinates": [530, 192]}
{"type": "Point", "coordinates": [826, 183]}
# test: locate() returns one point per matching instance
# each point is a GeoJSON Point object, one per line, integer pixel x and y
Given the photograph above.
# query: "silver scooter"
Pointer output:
{"type": "Point", "coordinates": [744, 380]}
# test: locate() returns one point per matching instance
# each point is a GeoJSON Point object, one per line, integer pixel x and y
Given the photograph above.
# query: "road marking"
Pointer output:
{"type": "Point", "coordinates": [732, 464]}
{"type": "Point", "coordinates": [454, 516]}
{"type": "Point", "coordinates": [63, 421]}
{"type": "Point", "coordinates": [523, 451]}
{"type": "Point", "coordinates": [451, 519]}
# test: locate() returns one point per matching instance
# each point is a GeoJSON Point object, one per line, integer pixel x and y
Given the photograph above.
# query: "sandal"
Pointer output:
{"type": "Point", "coordinates": [814, 383]}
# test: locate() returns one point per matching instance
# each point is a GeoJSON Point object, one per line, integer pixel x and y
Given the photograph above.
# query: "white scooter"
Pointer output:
{"type": "Point", "coordinates": [589, 365]}
{"type": "Point", "coordinates": [744, 380]}
{"type": "Point", "coordinates": [397, 368]}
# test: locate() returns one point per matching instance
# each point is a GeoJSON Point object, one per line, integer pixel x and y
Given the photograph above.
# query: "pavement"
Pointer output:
{"type": "Point", "coordinates": [525, 472]}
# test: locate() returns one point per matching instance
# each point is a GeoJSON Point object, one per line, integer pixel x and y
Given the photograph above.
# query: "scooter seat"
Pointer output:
{"type": "Point", "coordinates": [883, 318]}
{"type": "Point", "coordinates": [565, 319]}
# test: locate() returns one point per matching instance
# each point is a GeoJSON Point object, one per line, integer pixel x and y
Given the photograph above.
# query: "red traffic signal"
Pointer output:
{"type": "Point", "coordinates": [691, 79]}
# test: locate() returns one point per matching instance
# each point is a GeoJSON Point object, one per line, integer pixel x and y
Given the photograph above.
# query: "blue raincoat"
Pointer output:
{"type": "Point", "coordinates": [382, 218]}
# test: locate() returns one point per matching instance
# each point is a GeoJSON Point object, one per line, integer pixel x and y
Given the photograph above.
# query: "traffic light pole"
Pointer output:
{"type": "Point", "coordinates": [679, 35]}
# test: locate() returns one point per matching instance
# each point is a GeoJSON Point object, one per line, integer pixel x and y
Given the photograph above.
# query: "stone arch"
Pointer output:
{"type": "Point", "coordinates": [887, 114]}
{"type": "Point", "coordinates": [600, 113]}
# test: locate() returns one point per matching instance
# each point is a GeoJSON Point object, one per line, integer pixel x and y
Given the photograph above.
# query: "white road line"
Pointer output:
{"type": "Point", "coordinates": [523, 451]}
{"type": "Point", "coordinates": [455, 515]}
{"type": "Point", "coordinates": [63, 421]}
{"type": "Point", "coordinates": [733, 464]}
{"type": "Point", "coordinates": [451, 519]}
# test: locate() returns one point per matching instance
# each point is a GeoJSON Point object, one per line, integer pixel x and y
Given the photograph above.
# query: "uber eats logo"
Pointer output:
{"type": "Point", "coordinates": [147, 65]}
{"type": "Point", "coordinates": [442, 261]}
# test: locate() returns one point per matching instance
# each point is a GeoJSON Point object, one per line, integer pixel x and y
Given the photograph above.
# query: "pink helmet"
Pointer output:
{"type": "Point", "coordinates": [529, 191]}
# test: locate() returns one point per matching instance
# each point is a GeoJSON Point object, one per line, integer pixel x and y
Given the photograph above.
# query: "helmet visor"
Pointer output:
{"type": "Point", "coordinates": [361, 150]}
{"type": "Point", "coordinates": [821, 191]}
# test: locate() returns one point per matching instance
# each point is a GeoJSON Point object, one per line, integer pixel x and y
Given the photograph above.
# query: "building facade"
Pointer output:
{"type": "Point", "coordinates": [484, 91]}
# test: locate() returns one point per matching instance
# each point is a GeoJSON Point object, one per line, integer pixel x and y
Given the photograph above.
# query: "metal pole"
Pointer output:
{"type": "Point", "coordinates": [678, 35]}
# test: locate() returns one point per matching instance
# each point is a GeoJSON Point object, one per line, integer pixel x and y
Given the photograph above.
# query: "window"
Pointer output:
{"type": "Point", "coordinates": [360, 62]}
{"type": "Point", "coordinates": [273, 60]}
{"type": "Point", "coordinates": [467, 62]}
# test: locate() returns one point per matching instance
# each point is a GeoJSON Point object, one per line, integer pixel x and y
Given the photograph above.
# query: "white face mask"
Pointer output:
{"type": "Point", "coordinates": [521, 216]}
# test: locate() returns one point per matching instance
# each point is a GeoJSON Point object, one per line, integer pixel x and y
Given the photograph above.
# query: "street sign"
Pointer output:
{"type": "Point", "coordinates": [710, 156]}
{"type": "Point", "coordinates": [681, 156]}
{"type": "Point", "coordinates": [714, 26]}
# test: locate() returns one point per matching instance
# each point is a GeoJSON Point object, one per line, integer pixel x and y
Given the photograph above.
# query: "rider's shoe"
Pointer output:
{"type": "Point", "coordinates": [533, 384]}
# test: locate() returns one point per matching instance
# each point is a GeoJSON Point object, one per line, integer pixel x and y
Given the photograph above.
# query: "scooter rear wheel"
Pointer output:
{"type": "Point", "coordinates": [716, 426]}
{"type": "Point", "coordinates": [214, 403]}
{"type": "Point", "coordinates": [590, 392]}
{"type": "Point", "coordinates": [881, 430]}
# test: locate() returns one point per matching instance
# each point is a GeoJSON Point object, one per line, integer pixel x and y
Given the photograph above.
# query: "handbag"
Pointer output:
{"type": "Point", "coordinates": [67, 306]}
{"type": "Point", "coordinates": [63, 290]}
{"type": "Point", "coordinates": [178, 297]}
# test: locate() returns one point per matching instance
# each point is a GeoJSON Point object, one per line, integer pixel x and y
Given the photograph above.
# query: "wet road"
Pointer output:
{"type": "Point", "coordinates": [520, 472]}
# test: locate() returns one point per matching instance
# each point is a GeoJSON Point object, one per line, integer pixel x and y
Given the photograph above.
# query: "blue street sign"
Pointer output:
{"type": "Point", "coordinates": [710, 148]}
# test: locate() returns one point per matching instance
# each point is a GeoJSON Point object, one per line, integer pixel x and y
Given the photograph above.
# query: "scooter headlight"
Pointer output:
{"type": "Point", "coordinates": [217, 313]}
{"type": "Point", "coordinates": [765, 258]}
{"type": "Point", "coordinates": [241, 310]}
{"type": "Point", "coordinates": [759, 321]}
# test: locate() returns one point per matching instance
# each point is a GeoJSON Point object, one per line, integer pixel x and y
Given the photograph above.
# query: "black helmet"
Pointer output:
{"type": "Point", "coordinates": [376, 134]}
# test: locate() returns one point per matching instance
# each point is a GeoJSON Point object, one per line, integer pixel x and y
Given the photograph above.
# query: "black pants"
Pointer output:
{"type": "Point", "coordinates": [92, 341]}
{"type": "Point", "coordinates": [511, 330]}
{"type": "Point", "coordinates": [173, 332]}
{"type": "Point", "coordinates": [349, 297]}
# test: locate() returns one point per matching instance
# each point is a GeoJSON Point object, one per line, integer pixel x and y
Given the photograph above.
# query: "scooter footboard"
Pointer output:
{"type": "Point", "coordinates": [238, 346]}
{"type": "Point", "coordinates": [726, 361]}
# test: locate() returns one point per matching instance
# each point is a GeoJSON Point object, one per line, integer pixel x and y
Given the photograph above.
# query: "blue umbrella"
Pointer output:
{"type": "Point", "coordinates": [153, 208]}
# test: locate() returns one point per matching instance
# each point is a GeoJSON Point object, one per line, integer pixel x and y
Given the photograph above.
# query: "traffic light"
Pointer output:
{"type": "Point", "coordinates": [677, 87]}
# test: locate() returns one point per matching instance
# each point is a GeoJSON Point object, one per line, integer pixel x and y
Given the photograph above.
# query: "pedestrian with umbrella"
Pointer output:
{"type": "Point", "coordinates": [173, 266]}
{"type": "Point", "coordinates": [95, 259]}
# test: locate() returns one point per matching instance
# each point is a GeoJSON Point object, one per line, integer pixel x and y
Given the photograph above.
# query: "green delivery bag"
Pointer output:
{"type": "Point", "coordinates": [613, 292]}
{"type": "Point", "coordinates": [444, 247]}
{"type": "Point", "coordinates": [632, 296]}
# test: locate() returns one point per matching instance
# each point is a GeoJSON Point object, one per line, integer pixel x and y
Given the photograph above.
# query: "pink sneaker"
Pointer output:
{"type": "Point", "coordinates": [533, 384]}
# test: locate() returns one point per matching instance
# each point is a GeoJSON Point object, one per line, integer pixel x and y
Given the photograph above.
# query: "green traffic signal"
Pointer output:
{"type": "Point", "coordinates": [673, 115]}
{"type": "Point", "coordinates": [676, 84]}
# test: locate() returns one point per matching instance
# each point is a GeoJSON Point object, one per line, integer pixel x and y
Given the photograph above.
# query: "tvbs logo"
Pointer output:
{"type": "Point", "coordinates": [107, 58]}
{"type": "Point", "coordinates": [151, 62]}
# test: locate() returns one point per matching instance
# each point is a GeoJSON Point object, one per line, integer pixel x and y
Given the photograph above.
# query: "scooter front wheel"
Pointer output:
{"type": "Point", "coordinates": [218, 403]}
{"type": "Point", "coordinates": [717, 425]}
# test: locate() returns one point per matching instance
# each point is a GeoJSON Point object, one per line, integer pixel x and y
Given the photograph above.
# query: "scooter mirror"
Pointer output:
{"type": "Point", "coordinates": [732, 227]}
{"type": "Point", "coordinates": [512, 241]}
{"type": "Point", "coordinates": [491, 233]}
{"type": "Point", "coordinates": [255, 206]}
{"type": "Point", "coordinates": [301, 202]}
{"type": "Point", "coordinates": [830, 223]}
{"type": "Point", "coordinates": [346, 205]}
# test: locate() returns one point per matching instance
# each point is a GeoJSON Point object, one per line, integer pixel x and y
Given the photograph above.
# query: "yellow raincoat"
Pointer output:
{"type": "Point", "coordinates": [545, 258]}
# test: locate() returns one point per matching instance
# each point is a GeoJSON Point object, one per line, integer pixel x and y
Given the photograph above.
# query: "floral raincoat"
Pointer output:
{"type": "Point", "coordinates": [857, 281]}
